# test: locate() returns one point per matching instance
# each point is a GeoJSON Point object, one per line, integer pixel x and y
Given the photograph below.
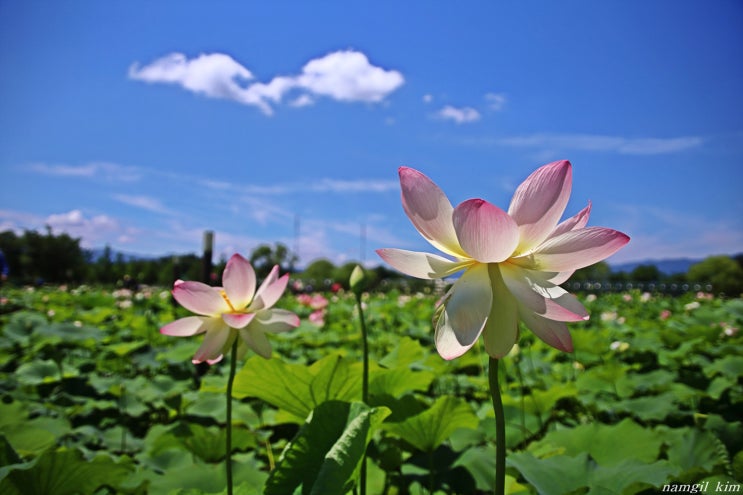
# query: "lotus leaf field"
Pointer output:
{"type": "Point", "coordinates": [95, 400]}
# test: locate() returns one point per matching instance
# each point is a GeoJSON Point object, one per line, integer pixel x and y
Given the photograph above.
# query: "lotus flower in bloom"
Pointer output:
{"type": "Point", "coordinates": [513, 261]}
{"type": "Point", "coordinates": [235, 309]}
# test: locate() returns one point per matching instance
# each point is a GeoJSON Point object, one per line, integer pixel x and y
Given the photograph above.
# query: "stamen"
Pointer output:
{"type": "Point", "coordinates": [227, 300]}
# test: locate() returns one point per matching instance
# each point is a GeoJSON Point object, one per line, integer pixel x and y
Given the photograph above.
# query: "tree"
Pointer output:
{"type": "Point", "coordinates": [264, 258]}
{"type": "Point", "coordinates": [645, 273]}
{"type": "Point", "coordinates": [596, 272]}
{"type": "Point", "coordinates": [318, 271]}
{"type": "Point", "coordinates": [723, 272]}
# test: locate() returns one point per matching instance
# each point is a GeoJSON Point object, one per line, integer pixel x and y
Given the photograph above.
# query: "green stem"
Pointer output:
{"type": "Point", "coordinates": [364, 382]}
{"type": "Point", "coordinates": [500, 428]}
{"type": "Point", "coordinates": [228, 447]}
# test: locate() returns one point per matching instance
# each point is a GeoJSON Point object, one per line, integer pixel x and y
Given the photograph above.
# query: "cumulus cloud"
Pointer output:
{"type": "Point", "coordinates": [345, 75]}
{"type": "Point", "coordinates": [92, 231]}
{"type": "Point", "coordinates": [459, 115]}
{"type": "Point", "coordinates": [427, 98]}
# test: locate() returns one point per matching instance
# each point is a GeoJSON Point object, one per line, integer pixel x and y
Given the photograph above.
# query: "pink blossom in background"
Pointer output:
{"type": "Point", "coordinates": [237, 309]}
{"type": "Point", "coordinates": [317, 317]}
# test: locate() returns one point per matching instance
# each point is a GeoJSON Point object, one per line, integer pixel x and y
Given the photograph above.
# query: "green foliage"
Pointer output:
{"type": "Point", "coordinates": [88, 385]}
{"type": "Point", "coordinates": [327, 451]}
{"type": "Point", "coordinates": [723, 272]}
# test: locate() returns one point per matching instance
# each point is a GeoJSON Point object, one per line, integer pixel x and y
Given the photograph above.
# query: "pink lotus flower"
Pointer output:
{"type": "Point", "coordinates": [512, 262]}
{"type": "Point", "coordinates": [236, 308]}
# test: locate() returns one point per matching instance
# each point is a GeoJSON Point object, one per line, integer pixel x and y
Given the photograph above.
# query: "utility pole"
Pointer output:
{"type": "Point", "coordinates": [206, 259]}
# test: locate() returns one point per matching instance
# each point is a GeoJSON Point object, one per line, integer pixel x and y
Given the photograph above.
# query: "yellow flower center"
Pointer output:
{"type": "Point", "coordinates": [227, 300]}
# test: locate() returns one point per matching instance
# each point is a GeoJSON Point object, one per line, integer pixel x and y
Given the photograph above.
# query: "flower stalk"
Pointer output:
{"type": "Point", "coordinates": [228, 443]}
{"type": "Point", "coordinates": [356, 284]}
{"type": "Point", "coordinates": [500, 428]}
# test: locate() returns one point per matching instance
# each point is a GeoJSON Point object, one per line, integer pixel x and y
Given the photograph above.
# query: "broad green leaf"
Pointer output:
{"type": "Point", "coordinates": [22, 325]}
{"type": "Point", "coordinates": [8, 456]}
{"type": "Point", "coordinates": [297, 388]}
{"type": "Point", "coordinates": [208, 478]}
{"type": "Point", "coordinates": [562, 474]}
{"type": "Point", "coordinates": [326, 453]}
{"type": "Point", "coordinates": [607, 445]}
{"type": "Point", "coordinates": [399, 381]}
{"type": "Point", "coordinates": [406, 352]}
{"type": "Point", "coordinates": [47, 371]}
{"type": "Point", "coordinates": [651, 407]}
{"type": "Point", "coordinates": [729, 366]}
{"type": "Point", "coordinates": [32, 437]}
{"type": "Point", "coordinates": [124, 348]}
{"type": "Point", "coordinates": [694, 449]}
{"type": "Point", "coordinates": [554, 475]}
{"type": "Point", "coordinates": [208, 443]}
{"type": "Point", "coordinates": [630, 476]}
{"type": "Point", "coordinates": [606, 378]}
{"type": "Point", "coordinates": [64, 472]}
{"type": "Point", "coordinates": [429, 429]}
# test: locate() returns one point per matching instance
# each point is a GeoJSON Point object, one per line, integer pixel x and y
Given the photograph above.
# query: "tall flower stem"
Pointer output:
{"type": "Point", "coordinates": [228, 446]}
{"type": "Point", "coordinates": [500, 428]}
{"type": "Point", "coordinates": [364, 380]}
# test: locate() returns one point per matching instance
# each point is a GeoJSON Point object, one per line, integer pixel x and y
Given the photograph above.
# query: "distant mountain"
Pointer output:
{"type": "Point", "coordinates": [666, 266]}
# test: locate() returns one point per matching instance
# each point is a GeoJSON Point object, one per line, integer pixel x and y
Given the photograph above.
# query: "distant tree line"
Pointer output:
{"type": "Point", "coordinates": [724, 274]}
{"type": "Point", "coordinates": [36, 258]}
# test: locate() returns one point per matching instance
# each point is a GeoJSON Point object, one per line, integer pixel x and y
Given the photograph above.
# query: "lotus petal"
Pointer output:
{"type": "Point", "coordinates": [421, 265]}
{"type": "Point", "coordinates": [539, 202]}
{"type": "Point", "coordinates": [485, 231]}
{"type": "Point", "coordinates": [430, 211]}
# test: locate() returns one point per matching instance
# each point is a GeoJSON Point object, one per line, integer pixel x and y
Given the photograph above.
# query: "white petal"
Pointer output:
{"type": "Point", "coordinates": [275, 320]}
{"type": "Point", "coordinates": [184, 327]}
{"type": "Point", "coordinates": [430, 211]}
{"type": "Point", "coordinates": [576, 249]}
{"type": "Point", "coordinates": [577, 221]}
{"type": "Point", "coordinates": [465, 312]}
{"type": "Point", "coordinates": [238, 280]}
{"type": "Point", "coordinates": [270, 290]}
{"type": "Point", "coordinates": [485, 231]}
{"type": "Point", "coordinates": [421, 265]}
{"type": "Point", "coordinates": [502, 329]}
{"type": "Point", "coordinates": [238, 320]}
{"type": "Point", "coordinates": [541, 296]}
{"type": "Point", "coordinates": [199, 298]}
{"type": "Point", "coordinates": [539, 202]}
{"type": "Point", "coordinates": [554, 333]}
{"type": "Point", "coordinates": [217, 335]}
{"type": "Point", "coordinates": [256, 340]}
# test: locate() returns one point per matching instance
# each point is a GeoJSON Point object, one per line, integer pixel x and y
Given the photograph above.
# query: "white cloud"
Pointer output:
{"type": "Point", "coordinates": [353, 186]}
{"type": "Point", "coordinates": [594, 142]}
{"type": "Point", "coordinates": [302, 101]}
{"type": "Point", "coordinates": [215, 75]}
{"type": "Point", "coordinates": [346, 76]}
{"type": "Point", "coordinates": [427, 98]}
{"type": "Point", "coordinates": [94, 170]}
{"type": "Point", "coordinates": [325, 185]}
{"type": "Point", "coordinates": [496, 101]}
{"type": "Point", "coordinates": [459, 115]}
{"type": "Point", "coordinates": [144, 202]}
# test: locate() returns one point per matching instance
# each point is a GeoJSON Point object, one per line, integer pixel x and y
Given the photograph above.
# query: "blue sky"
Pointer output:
{"type": "Point", "coordinates": [142, 124]}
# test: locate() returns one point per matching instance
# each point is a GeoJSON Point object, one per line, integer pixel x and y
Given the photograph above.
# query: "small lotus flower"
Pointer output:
{"type": "Point", "coordinates": [513, 261]}
{"type": "Point", "coordinates": [236, 308]}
